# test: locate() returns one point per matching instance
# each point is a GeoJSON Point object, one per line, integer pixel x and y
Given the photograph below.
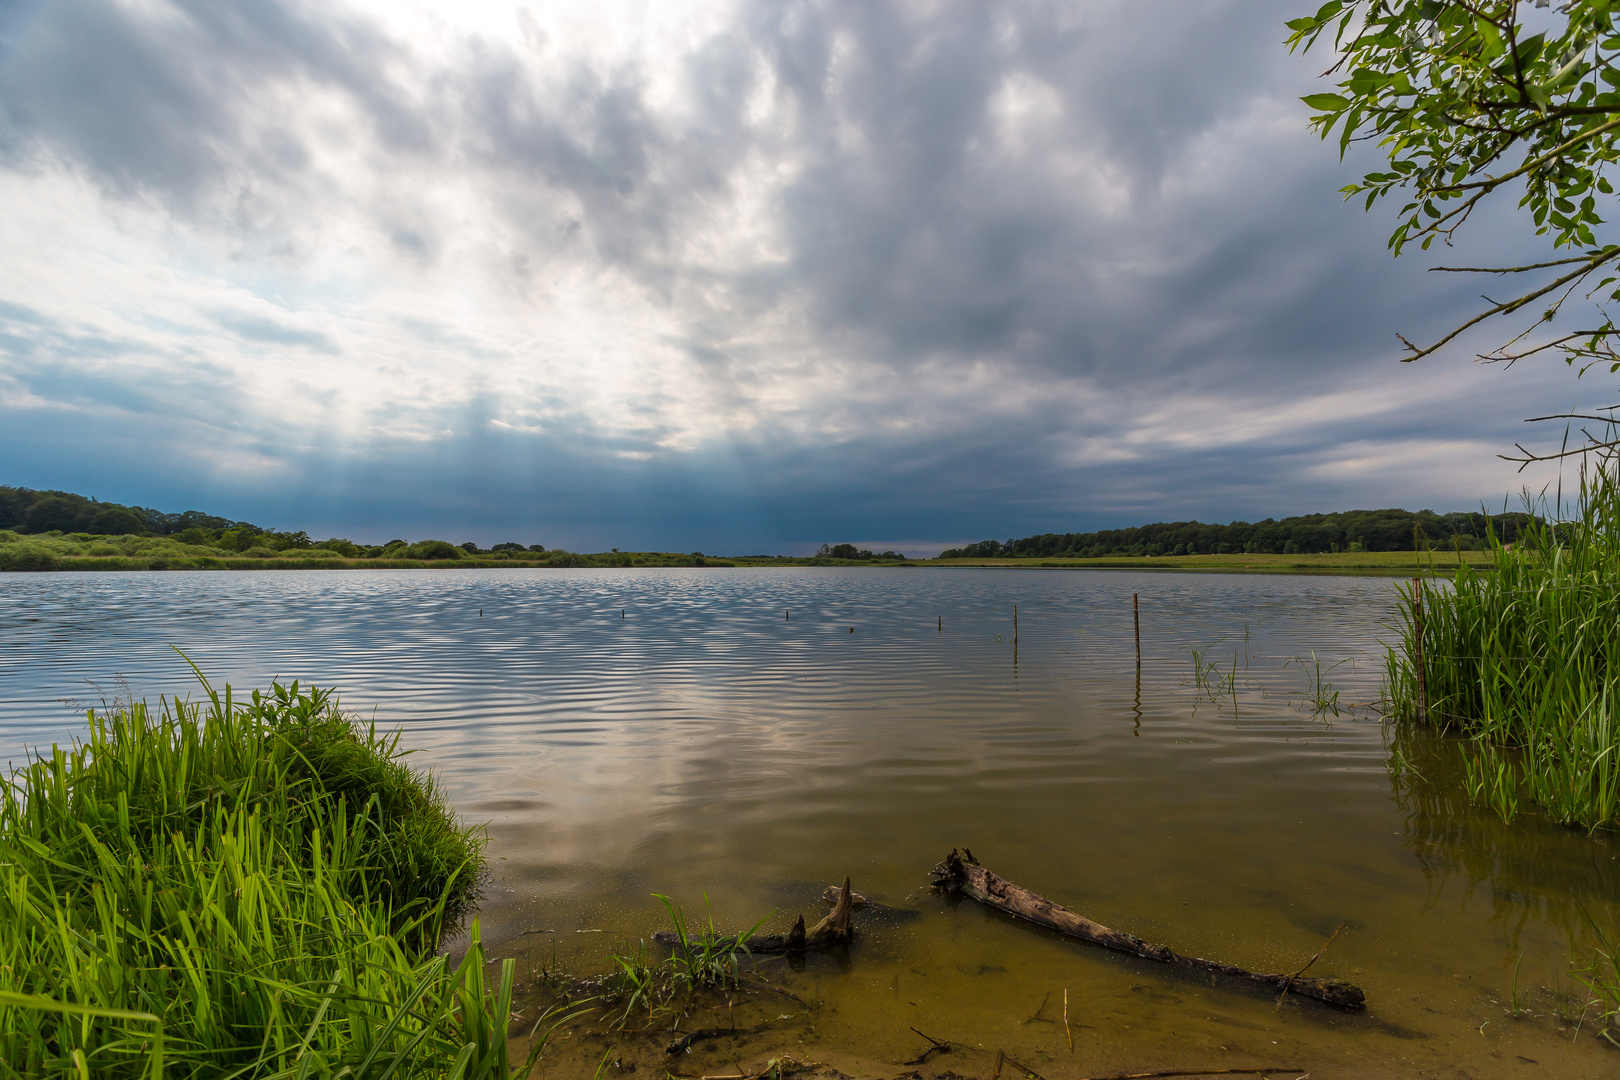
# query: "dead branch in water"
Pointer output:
{"type": "Point", "coordinates": [935, 1047]}
{"type": "Point", "coordinates": [778, 1066]}
{"type": "Point", "coordinates": [1001, 1056]}
{"type": "Point", "coordinates": [965, 876]}
{"type": "Point", "coordinates": [1196, 1072]}
{"type": "Point", "coordinates": [1308, 963]}
{"type": "Point", "coordinates": [1038, 1018]}
{"type": "Point", "coordinates": [830, 931]}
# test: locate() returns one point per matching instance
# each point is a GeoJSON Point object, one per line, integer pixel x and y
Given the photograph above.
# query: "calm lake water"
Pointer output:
{"type": "Point", "coordinates": [628, 732]}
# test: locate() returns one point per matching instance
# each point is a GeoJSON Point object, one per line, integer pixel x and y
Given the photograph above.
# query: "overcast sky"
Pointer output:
{"type": "Point", "coordinates": [731, 277]}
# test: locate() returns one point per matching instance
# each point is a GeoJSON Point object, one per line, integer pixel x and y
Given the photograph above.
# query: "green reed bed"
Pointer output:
{"type": "Point", "coordinates": [1524, 659]}
{"type": "Point", "coordinates": [239, 889]}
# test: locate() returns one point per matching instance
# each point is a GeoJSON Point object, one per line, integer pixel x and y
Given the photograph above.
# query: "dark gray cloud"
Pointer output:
{"type": "Point", "coordinates": [812, 269]}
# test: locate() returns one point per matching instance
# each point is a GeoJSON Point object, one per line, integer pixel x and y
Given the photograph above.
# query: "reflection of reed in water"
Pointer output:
{"type": "Point", "coordinates": [1533, 869]}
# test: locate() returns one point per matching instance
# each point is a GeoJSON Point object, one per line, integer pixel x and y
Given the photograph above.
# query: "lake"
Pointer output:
{"type": "Point", "coordinates": [750, 736]}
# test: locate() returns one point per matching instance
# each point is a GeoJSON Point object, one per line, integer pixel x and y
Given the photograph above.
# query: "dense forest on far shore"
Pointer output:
{"type": "Point", "coordinates": [28, 512]}
{"type": "Point", "coordinates": [1308, 534]}
{"type": "Point", "coordinates": [59, 530]}
{"type": "Point", "coordinates": [60, 525]}
{"type": "Point", "coordinates": [24, 510]}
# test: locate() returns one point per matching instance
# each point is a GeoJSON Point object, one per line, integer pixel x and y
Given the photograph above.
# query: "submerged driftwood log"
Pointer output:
{"type": "Point", "coordinates": [962, 874]}
{"type": "Point", "coordinates": [834, 893]}
{"type": "Point", "coordinates": [833, 930]}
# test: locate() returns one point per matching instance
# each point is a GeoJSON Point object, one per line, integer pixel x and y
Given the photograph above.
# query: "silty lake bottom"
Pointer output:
{"type": "Point", "coordinates": [722, 733]}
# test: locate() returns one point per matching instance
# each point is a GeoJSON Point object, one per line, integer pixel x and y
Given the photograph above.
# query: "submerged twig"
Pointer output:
{"type": "Point", "coordinates": [775, 1065]}
{"type": "Point", "coordinates": [1197, 1072]}
{"type": "Point", "coordinates": [936, 1047]}
{"type": "Point", "coordinates": [684, 1043]}
{"type": "Point", "coordinates": [1021, 1067]}
{"type": "Point", "coordinates": [1038, 1018]}
{"type": "Point", "coordinates": [1290, 980]}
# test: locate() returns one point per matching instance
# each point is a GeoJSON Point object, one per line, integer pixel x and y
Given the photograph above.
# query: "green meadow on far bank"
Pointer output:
{"type": "Point", "coordinates": [60, 530]}
{"type": "Point", "coordinates": [88, 552]}
{"type": "Point", "coordinates": [1370, 562]}
{"type": "Point", "coordinates": [85, 551]}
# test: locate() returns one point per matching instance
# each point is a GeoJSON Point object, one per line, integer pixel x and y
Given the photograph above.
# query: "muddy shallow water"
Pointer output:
{"type": "Point", "coordinates": [723, 733]}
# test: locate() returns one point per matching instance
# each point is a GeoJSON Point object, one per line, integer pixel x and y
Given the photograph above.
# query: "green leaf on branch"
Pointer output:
{"type": "Point", "coordinates": [1326, 102]}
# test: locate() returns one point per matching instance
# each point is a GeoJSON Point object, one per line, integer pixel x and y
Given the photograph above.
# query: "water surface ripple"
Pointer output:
{"type": "Point", "coordinates": [754, 734]}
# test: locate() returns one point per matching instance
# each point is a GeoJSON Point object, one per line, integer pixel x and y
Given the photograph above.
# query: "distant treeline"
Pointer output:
{"type": "Point", "coordinates": [58, 530]}
{"type": "Point", "coordinates": [1308, 534]}
{"type": "Point", "coordinates": [23, 510]}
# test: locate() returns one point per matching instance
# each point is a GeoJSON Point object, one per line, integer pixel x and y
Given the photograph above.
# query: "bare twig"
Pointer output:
{"type": "Point", "coordinates": [1198, 1072]}
{"type": "Point", "coordinates": [1290, 981]}
{"type": "Point", "coordinates": [1529, 456]}
{"type": "Point", "coordinates": [1025, 1069]}
{"type": "Point", "coordinates": [775, 1065]}
{"type": "Point", "coordinates": [1509, 306]}
{"type": "Point", "coordinates": [1505, 269]}
{"type": "Point", "coordinates": [1575, 416]}
{"type": "Point", "coordinates": [936, 1047]}
{"type": "Point", "coordinates": [1038, 1018]}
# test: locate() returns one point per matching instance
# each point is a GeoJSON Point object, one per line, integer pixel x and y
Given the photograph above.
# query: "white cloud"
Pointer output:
{"type": "Point", "coordinates": [1080, 260]}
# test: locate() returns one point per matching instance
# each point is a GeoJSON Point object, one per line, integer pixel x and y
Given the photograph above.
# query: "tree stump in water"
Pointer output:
{"type": "Point", "coordinates": [830, 931]}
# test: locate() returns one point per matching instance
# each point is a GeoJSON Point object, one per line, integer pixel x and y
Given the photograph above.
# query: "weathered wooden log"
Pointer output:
{"type": "Point", "coordinates": [962, 874]}
{"type": "Point", "coordinates": [832, 930]}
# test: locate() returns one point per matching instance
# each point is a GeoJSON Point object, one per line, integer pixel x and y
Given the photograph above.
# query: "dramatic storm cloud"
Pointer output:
{"type": "Point", "coordinates": [745, 276]}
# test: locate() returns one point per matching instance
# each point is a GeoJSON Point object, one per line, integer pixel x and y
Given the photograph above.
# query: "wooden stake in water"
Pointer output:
{"type": "Point", "coordinates": [1417, 651]}
{"type": "Point", "coordinates": [1136, 615]}
{"type": "Point", "coordinates": [1015, 626]}
{"type": "Point", "coordinates": [941, 619]}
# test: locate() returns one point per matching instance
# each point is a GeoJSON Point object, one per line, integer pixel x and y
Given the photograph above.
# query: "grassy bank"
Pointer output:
{"type": "Point", "coordinates": [240, 889]}
{"type": "Point", "coordinates": [1525, 662]}
{"type": "Point", "coordinates": [83, 551]}
{"type": "Point", "coordinates": [78, 551]}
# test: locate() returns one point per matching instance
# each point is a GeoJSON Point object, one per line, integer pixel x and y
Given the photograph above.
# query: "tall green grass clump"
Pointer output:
{"type": "Point", "coordinates": [238, 889]}
{"type": "Point", "coordinates": [1524, 658]}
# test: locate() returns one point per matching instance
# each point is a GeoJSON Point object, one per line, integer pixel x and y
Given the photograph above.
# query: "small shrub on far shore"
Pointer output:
{"type": "Point", "coordinates": [25, 557]}
{"type": "Point", "coordinates": [434, 549]}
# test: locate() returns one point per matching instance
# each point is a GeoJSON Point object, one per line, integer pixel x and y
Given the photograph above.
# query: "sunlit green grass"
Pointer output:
{"type": "Point", "coordinates": [239, 889]}
{"type": "Point", "coordinates": [82, 551]}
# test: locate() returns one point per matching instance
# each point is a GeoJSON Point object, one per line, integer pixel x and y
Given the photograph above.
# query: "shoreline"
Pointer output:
{"type": "Point", "coordinates": [1380, 564]}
